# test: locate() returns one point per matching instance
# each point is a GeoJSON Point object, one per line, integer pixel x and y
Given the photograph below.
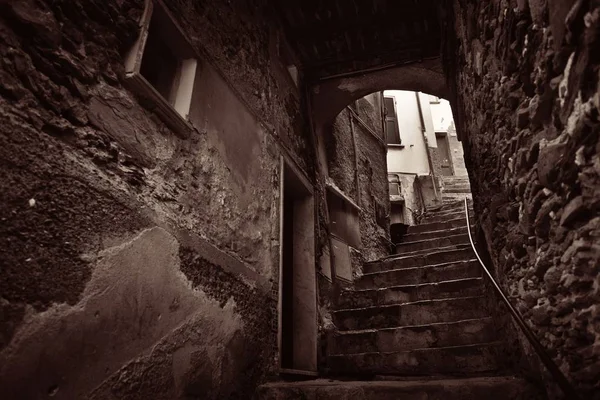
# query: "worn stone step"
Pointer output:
{"type": "Point", "coordinates": [436, 226]}
{"type": "Point", "coordinates": [458, 360]}
{"type": "Point", "coordinates": [421, 258]}
{"type": "Point", "coordinates": [457, 189]}
{"type": "Point", "coordinates": [416, 237]}
{"type": "Point", "coordinates": [410, 293]}
{"type": "Point", "coordinates": [427, 219]}
{"type": "Point", "coordinates": [456, 182]}
{"type": "Point", "coordinates": [418, 275]}
{"type": "Point", "coordinates": [455, 205]}
{"type": "Point", "coordinates": [418, 313]}
{"type": "Point", "coordinates": [389, 340]}
{"type": "Point", "coordinates": [448, 213]}
{"type": "Point", "coordinates": [489, 388]}
{"type": "Point", "coordinates": [419, 253]}
{"type": "Point", "coordinates": [432, 244]}
{"type": "Point", "coordinates": [452, 197]}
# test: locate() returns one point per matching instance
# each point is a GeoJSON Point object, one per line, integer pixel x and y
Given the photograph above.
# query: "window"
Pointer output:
{"type": "Point", "coordinates": [161, 66]}
{"type": "Point", "coordinates": [343, 217]}
{"type": "Point", "coordinates": [344, 231]}
{"type": "Point", "coordinates": [392, 131]}
{"type": "Point", "coordinates": [394, 189]}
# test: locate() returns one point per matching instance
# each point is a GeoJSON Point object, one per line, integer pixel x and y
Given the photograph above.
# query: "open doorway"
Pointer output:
{"type": "Point", "coordinates": [444, 154]}
{"type": "Point", "coordinates": [297, 276]}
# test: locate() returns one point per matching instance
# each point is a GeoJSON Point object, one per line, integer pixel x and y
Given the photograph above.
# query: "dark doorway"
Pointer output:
{"type": "Point", "coordinates": [297, 281]}
{"type": "Point", "coordinates": [444, 154]}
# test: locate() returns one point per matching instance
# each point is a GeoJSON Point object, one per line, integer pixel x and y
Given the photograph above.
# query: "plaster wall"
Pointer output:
{"type": "Point", "coordinates": [412, 156]}
{"type": "Point", "coordinates": [135, 263]}
{"type": "Point", "coordinates": [441, 114]}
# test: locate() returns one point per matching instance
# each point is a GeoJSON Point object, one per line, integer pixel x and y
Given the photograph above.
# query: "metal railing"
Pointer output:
{"type": "Point", "coordinates": [556, 373]}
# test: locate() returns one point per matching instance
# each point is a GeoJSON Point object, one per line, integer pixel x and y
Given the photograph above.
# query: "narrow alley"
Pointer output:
{"type": "Point", "coordinates": [277, 200]}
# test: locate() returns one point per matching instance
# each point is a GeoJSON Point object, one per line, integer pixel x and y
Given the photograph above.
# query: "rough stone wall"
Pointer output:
{"type": "Point", "coordinates": [436, 160]}
{"type": "Point", "coordinates": [135, 263]}
{"type": "Point", "coordinates": [525, 81]}
{"type": "Point", "coordinates": [341, 154]}
{"type": "Point", "coordinates": [372, 172]}
{"type": "Point", "coordinates": [374, 193]}
{"type": "Point", "coordinates": [457, 154]}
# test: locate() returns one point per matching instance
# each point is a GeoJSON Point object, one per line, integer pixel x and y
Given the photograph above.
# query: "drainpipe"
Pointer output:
{"type": "Point", "coordinates": [424, 131]}
{"type": "Point", "coordinates": [356, 174]}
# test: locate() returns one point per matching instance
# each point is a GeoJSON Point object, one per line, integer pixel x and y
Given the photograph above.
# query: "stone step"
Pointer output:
{"type": "Point", "coordinates": [417, 313]}
{"type": "Point", "coordinates": [416, 237]}
{"type": "Point", "coordinates": [454, 210]}
{"type": "Point", "coordinates": [443, 217]}
{"type": "Point", "coordinates": [458, 360]}
{"type": "Point", "coordinates": [452, 197]}
{"type": "Point", "coordinates": [390, 340]}
{"type": "Point", "coordinates": [410, 293]}
{"type": "Point", "coordinates": [489, 388]}
{"type": "Point", "coordinates": [455, 205]}
{"type": "Point", "coordinates": [460, 181]}
{"type": "Point", "coordinates": [436, 226]}
{"type": "Point", "coordinates": [456, 182]}
{"type": "Point", "coordinates": [457, 189]}
{"type": "Point", "coordinates": [420, 259]}
{"type": "Point", "coordinates": [449, 271]}
{"type": "Point", "coordinates": [432, 244]}
{"type": "Point", "coordinates": [454, 177]}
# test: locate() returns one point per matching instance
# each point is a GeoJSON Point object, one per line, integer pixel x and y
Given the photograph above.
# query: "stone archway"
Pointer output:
{"type": "Point", "coordinates": [331, 96]}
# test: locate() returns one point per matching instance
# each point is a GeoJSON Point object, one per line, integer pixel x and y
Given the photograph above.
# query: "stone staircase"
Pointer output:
{"type": "Point", "coordinates": [455, 188]}
{"type": "Point", "coordinates": [415, 326]}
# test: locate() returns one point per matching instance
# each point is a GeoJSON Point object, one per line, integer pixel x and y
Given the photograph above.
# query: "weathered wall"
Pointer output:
{"type": "Point", "coordinates": [455, 149]}
{"type": "Point", "coordinates": [412, 156]}
{"type": "Point", "coordinates": [457, 154]}
{"type": "Point", "coordinates": [372, 195]}
{"type": "Point", "coordinates": [134, 263]}
{"type": "Point", "coordinates": [525, 86]}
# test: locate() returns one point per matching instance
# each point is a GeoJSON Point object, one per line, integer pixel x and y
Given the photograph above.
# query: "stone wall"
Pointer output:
{"type": "Point", "coordinates": [364, 122]}
{"type": "Point", "coordinates": [339, 157]}
{"type": "Point", "coordinates": [524, 76]}
{"type": "Point", "coordinates": [457, 154]}
{"type": "Point", "coordinates": [135, 263]}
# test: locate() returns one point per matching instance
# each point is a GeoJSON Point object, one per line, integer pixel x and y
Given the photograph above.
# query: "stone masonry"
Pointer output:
{"type": "Point", "coordinates": [525, 81]}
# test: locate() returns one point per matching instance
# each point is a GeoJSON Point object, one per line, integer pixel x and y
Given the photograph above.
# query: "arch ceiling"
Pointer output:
{"type": "Point", "coordinates": [333, 37]}
{"type": "Point", "coordinates": [329, 97]}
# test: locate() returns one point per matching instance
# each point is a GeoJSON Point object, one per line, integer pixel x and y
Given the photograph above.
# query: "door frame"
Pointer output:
{"type": "Point", "coordinates": [304, 190]}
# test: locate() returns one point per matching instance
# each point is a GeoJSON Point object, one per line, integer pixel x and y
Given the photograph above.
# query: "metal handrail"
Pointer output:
{"type": "Point", "coordinates": [560, 378]}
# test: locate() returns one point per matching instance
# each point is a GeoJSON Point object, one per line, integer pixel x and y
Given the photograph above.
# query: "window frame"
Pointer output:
{"type": "Point", "coordinates": [176, 114]}
{"type": "Point", "coordinates": [350, 209]}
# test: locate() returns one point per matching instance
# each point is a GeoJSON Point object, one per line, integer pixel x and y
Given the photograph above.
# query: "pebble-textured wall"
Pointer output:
{"type": "Point", "coordinates": [525, 81]}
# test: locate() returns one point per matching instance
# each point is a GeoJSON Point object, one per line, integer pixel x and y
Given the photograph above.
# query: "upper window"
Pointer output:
{"type": "Point", "coordinates": [161, 66]}
{"type": "Point", "coordinates": [392, 131]}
